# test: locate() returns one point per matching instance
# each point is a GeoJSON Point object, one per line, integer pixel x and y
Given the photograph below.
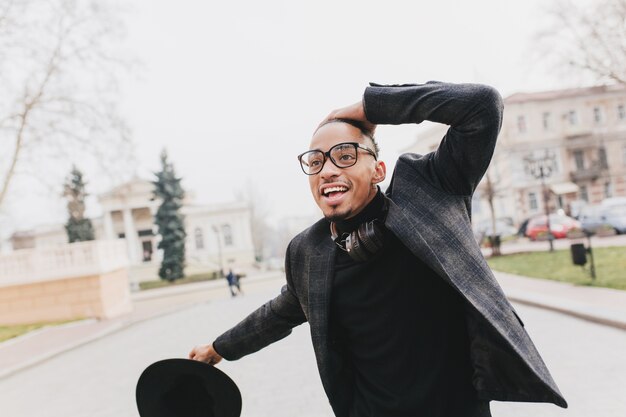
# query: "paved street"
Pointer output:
{"type": "Point", "coordinates": [98, 379]}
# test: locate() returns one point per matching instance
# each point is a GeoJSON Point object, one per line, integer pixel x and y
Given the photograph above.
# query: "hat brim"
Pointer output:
{"type": "Point", "coordinates": [184, 387]}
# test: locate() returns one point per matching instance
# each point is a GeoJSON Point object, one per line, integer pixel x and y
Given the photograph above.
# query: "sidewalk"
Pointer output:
{"type": "Point", "coordinates": [599, 305]}
{"type": "Point", "coordinates": [42, 344]}
{"type": "Point", "coordinates": [526, 245]}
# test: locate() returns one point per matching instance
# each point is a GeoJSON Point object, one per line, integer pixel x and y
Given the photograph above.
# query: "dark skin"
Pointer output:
{"type": "Point", "coordinates": [358, 182]}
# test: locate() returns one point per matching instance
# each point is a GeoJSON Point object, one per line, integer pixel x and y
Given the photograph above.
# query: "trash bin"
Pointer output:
{"type": "Point", "coordinates": [579, 254]}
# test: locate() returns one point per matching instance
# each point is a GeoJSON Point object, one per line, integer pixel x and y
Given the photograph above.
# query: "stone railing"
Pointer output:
{"type": "Point", "coordinates": [63, 261]}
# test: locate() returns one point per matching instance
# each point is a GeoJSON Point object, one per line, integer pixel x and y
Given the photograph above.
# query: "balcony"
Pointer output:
{"type": "Point", "coordinates": [592, 173]}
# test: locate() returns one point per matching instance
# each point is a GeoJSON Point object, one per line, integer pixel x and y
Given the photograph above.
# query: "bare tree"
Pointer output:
{"type": "Point", "coordinates": [490, 190]}
{"type": "Point", "coordinates": [260, 229]}
{"type": "Point", "coordinates": [58, 87]}
{"type": "Point", "coordinates": [588, 39]}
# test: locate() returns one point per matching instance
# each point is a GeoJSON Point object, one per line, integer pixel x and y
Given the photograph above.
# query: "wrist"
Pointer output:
{"type": "Point", "coordinates": [215, 349]}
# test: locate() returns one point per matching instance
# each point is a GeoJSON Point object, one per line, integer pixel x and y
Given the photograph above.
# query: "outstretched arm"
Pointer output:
{"type": "Point", "coordinates": [473, 112]}
{"type": "Point", "coordinates": [268, 324]}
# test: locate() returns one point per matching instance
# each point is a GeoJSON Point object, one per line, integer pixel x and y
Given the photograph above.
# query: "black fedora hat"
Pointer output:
{"type": "Point", "coordinates": [186, 388]}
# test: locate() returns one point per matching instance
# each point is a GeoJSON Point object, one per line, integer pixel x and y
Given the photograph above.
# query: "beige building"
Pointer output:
{"type": "Point", "coordinates": [578, 135]}
{"type": "Point", "coordinates": [218, 236]}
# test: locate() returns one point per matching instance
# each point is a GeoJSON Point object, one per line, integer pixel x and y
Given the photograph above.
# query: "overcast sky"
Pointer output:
{"type": "Point", "coordinates": [234, 89]}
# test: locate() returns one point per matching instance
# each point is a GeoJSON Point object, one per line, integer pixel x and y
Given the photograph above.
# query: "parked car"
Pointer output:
{"type": "Point", "coordinates": [606, 215]}
{"type": "Point", "coordinates": [591, 218]}
{"type": "Point", "coordinates": [615, 216]}
{"type": "Point", "coordinates": [504, 227]}
{"type": "Point", "coordinates": [613, 201]}
{"type": "Point", "coordinates": [560, 225]}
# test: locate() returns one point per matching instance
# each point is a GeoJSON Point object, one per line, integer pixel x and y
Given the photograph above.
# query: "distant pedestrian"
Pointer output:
{"type": "Point", "coordinates": [233, 282]}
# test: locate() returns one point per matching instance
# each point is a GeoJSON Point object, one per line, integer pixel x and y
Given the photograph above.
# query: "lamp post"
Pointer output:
{"type": "Point", "coordinates": [542, 168]}
{"type": "Point", "coordinates": [216, 230]}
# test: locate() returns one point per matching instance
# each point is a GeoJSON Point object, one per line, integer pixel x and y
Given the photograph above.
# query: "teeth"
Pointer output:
{"type": "Point", "coordinates": [334, 189]}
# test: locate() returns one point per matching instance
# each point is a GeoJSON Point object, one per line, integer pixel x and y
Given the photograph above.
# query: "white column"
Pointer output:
{"type": "Point", "coordinates": [108, 226]}
{"type": "Point", "coordinates": [131, 236]}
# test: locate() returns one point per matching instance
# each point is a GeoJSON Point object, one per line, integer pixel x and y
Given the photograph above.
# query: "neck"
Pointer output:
{"type": "Point", "coordinates": [373, 210]}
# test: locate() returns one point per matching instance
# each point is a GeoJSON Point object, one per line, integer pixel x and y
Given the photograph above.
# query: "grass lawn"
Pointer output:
{"type": "Point", "coordinates": [9, 332]}
{"type": "Point", "coordinates": [160, 283]}
{"type": "Point", "coordinates": [610, 266]}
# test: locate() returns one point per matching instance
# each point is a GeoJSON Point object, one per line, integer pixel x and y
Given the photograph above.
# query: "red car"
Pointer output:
{"type": "Point", "coordinates": [559, 225]}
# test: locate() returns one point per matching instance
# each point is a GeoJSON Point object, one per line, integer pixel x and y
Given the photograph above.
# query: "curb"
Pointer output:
{"type": "Point", "coordinates": [218, 283]}
{"type": "Point", "coordinates": [114, 328]}
{"type": "Point", "coordinates": [605, 321]}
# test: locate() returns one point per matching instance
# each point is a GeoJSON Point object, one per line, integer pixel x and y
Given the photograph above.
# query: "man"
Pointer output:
{"type": "Point", "coordinates": [406, 317]}
{"type": "Point", "coordinates": [233, 282]}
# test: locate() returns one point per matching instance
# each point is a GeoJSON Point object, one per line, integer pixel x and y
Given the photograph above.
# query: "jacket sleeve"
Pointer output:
{"type": "Point", "coordinates": [473, 112]}
{"type": "Point", "coordinates": [269, 323]}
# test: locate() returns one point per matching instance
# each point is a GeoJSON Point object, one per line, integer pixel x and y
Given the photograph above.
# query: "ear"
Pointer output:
{"type": "Point", "coordinates": [380, 172]}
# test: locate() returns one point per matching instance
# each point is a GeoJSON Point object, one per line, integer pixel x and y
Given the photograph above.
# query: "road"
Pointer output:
{"type": "Point", "coordinates": [98, 379]}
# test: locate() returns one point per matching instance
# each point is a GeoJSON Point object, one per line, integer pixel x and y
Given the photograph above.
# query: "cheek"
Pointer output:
{"type": "Point", "coordinates": [313, 185]}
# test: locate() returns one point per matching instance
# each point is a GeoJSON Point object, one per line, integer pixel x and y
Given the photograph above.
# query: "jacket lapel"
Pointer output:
{"type": "Point", "coordinates": [408, 233]}
{"type": "Point", "coordinates": [320, 276]}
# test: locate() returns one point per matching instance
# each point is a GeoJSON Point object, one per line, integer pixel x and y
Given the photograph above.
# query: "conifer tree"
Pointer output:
{"type": "Point", "coordinates": [78, 228]}
{"type": "Point", "coordinates": [169, 220]}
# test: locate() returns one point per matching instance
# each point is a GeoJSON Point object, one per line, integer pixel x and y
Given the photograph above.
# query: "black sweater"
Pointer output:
{"type": "Point", "coordinates": [401, 331]}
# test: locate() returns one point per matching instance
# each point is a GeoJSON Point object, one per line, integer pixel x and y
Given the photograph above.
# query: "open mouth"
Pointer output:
{"type": "Point", "coordinates": [334, 193]}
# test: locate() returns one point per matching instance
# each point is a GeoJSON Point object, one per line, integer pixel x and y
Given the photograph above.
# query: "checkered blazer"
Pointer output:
{"type": "Point", "coordinates": [429, 211]}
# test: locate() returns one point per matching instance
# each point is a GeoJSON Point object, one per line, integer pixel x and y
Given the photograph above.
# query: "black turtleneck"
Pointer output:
{"type": "Point", "coordinates": [374, 210]}
{"type": "Point", "coordinates": [401, 333]}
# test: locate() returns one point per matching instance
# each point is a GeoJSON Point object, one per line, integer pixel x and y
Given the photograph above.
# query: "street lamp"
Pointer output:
{"type": "Point", "coordinates": [542, 168]}
{"type": "Point", "coordinates": [216, 230]}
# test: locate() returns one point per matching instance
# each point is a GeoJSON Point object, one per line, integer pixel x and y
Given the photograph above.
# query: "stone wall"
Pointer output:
{"type": "Point", "coordinates": [83, 280]}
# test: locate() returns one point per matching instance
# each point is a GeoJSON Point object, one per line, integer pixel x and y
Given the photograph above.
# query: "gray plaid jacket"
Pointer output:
{"type": "Point", "coordinates": [430, 210]}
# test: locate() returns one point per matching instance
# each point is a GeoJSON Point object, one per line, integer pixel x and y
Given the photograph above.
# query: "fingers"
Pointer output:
{"type": "Point", "coordinates": [354, 112]}
{"type": "Point", "coordinates": [205, 354]}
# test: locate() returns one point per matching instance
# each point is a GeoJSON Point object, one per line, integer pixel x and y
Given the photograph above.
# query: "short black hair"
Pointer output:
{"type": "Point", "coordinates": [359, 125]}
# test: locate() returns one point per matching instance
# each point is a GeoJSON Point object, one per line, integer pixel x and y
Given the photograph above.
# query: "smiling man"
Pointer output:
{"type": "Point", "coordinates": [406, 317]}
{"type": "Point", "coordinates": [342, 188]}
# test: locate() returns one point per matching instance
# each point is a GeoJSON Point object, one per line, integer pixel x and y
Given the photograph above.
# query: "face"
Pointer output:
{"type": "Point", "coordinates": [341, 193]}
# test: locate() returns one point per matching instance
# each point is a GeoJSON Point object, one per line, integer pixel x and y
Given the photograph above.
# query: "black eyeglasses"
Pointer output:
{"type": "Point", "coordinates": [342, 155]}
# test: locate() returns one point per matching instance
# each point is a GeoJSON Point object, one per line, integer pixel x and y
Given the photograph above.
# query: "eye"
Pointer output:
{"type": "Point", "coordinates": [346, 157]}
{"type": "Point", "coordinates": [315, 161]}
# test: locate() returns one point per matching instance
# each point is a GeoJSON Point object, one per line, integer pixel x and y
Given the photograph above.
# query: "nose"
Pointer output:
{"type": "Point", "coordinates": [329, 170]}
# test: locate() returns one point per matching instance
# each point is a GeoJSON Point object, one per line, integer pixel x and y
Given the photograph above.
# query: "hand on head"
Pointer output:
{"type": "Point", "coordinates": [354, 112]}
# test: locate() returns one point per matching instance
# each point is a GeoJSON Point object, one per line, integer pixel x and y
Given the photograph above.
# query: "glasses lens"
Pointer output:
{"type": "Point", "coordinates": [312, 162]}
{"type": "Point", "coordinates": [343, 155]}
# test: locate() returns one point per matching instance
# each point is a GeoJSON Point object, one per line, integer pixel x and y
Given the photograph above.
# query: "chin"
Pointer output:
{"type": "Point", "coordinates": [334, 215]}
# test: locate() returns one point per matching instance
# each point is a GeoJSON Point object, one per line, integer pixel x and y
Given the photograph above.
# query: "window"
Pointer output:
{"type": "Point", "coordinates": [583, 193]}
{"type": "Point", "coordinates": [532, 201]}
{"type": "Point", "coordinates": [199, 237]}
{"type": "Point", "coordinates": [572, 117]}
{"type": "Point", "coordinates": [604, 163]}
{"type": "Point", "coordinates": [521, 124]}
{"type": "Point", "coordinates": [579, 159]}
{"type": "Point", "coordinates": [546, 120]}
{"type": "Point", "coordinates": [597, 115]}
{"type": "Point", "coordinates": [227, 233]}
{"type": "Point", "coordinates": [621, 112]}
{"type": "Point", "coordinates": [608, 189]}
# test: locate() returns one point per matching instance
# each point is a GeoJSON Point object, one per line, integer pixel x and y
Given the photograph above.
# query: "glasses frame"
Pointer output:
{"type": "Point", "coordinates": [327, 156]}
